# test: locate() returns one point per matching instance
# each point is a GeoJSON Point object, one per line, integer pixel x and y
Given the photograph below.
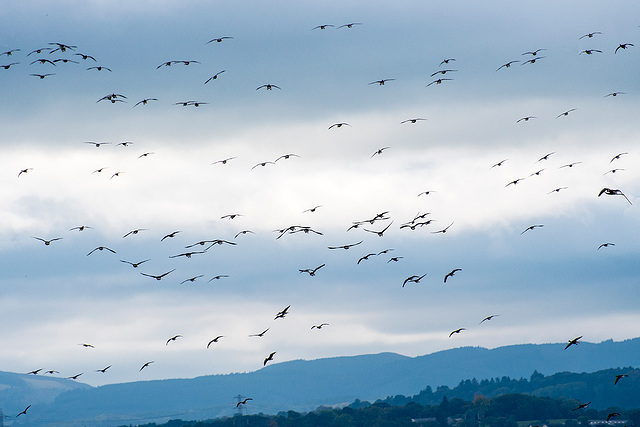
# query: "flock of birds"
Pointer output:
{"type": "Point", "coordinates": [56, 55]}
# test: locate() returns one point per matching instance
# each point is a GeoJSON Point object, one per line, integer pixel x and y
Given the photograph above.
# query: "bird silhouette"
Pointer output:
{"type": "Point", "coordinates": [224, 161]}
{"type": "Point", "coordinates": [457, 331]}
{"type": "Point", "coordinates": [103, 370]}
{"type": "Point", "coordinates": [574, 341]}
{"type": "Point", "coordinates": [24, 411]}
{"type": "Point", "coordinates": [101, 248]}
{"type": "Point", "coordinates": [268, 358]}
{"type": "Point", "coordinates": [134, 264]}
{"type": "Point", "coordinates": [321, 27]}
{"type": "Point", "coordinates": [507, 65]}
{"type": "Point", "coordinates": [623, 46]}
{"type": "Point", "coordinates": [381, 232]}
{"type": "Point", "coordinates": [349, 25]}
{"type": "Point", "coordinates": [613, 192]}
{"type": "Point", "coordinates": [444, 230]}
{"type": "Point", "coordinates": [381, 82]}
{"type": "Point", "coordinates": [134, 232]}
{"type": "Point", "coordinates": [617, 157]}
{"type": "Point", "coordinates": [191, 279]}
{"type": "Point", "coordinates": [282, 313]}
{"type": "Point", "coordinates": [590, 51]}
{"type": "Point", "coordinates": [451, 273]}
{"type": "Point", "coordinates": [348, 246]}
{"type": "Point", "coordinates": [145, 101]}
{"type": "Point", "coordinates": [219, 39]}
{"type": "Point", "coordinates": [531, 227]}
{"type": "Point", "coordinates": [566, 113]}
{"type": "Point", "coordinates": [48, 242]}
{"type": "Point", "coordinates": [581, 406]}
{"type": "Point", "coordinates": [312, 272]}
{"type": "Point", "coordinates": [243, 402]}
{"type": "Point", "coordinates": [146, 365]}
{"type": "Point", "coordinates": [488, 318]}
{"type": "Point", "coordinates": [158, 277]}
{"type": "Point", "coordinates": [417, 119]}
{"type": "Point", "coordinates": [590, 35]}
{"type": "Point", "coordinates": [173, 338]}
{"type": "Point", "coordinates": [269, 87]}
{"type": "Point", "coordinates": [215, 340]}
{"type": "Point", "coordinates": [319, 326]}
{"type": "Point", "coordinates": [605, 245]}
{"type": "Point", "coordinates": [261, 334]}
{"type": "Point", "coordinates": [619, 377]}
{"type": "Point", "coordinates": [339, 125]}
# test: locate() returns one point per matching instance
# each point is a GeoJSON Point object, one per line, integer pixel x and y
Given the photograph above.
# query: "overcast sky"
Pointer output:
{"type": "Point", "coordinates": [476, 155]}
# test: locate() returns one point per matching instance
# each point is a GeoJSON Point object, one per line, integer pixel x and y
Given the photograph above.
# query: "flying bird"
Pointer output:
{"type": "Point", "coordinates": [451, 273]}
{"type": "Point", "coordinates": [581, 406]}
{"type": "Point", "coordinates": [192, 279]}
{"type": "Point", "coordinates": [507, 65]}
{"type": "Point", "coordinates": [526, 119]}
{"type": "Point", "coordinates": [75, 377]}
{"type": "Point", "coordinates": [623, 46]}
{"type": "Point", "coordinates": [173, 338]}
{"type": "Point", "coordinates": [437, 82]}
{"type": "Point", "coordinates": [224, 161]}
{"type": "Point", "coordinates": [42, 76]}
{"type": "Point", "coordinates": [349, 25]}
{"type": "Point", "coordinates": [417, 119]}
{"type": "Point", "coordinates": [268, 358]}
{"type": "Point", "coordinates": [590, 51]}
{"type": "Point", "coordinates": [322, 27]}
{"type": "Point", "coordinates": [101, 248]}
{"type": "Point", "coordinates": [24, 412]}
{"type": "Point", "coordinates": [534, 53]}
{"type": "Point", "coordinates": [261, 334]}
{"type": "Point", "coordinates": [379, 151]}
{"type": "Point", "coordinates": [574, 341]}
{"type": "Point", "coordinates": [268, 87]}
{"type": "Point", "coordinates": [457, 331]}
{"type": "Point", "coordinates": [381, 232]}
{"type": "Point", "coordinates": [243, 402]}
{"type": "Point", "coordinates": [282, 313]}
{"type": "Point", "coordinates": [159, 277]}
{"type": "Point", "coordinates": [172, 234]}
{"type": "Point", "coordinates": [531, 227]}
{"type": "Point", "coordinates": [545, 157]}
{"type": "Point", "coordinates": [133, 232]}
{"type": "Point", "coordinates": [614, 94]}
{"type": "Point", "coordinates": [381, 82]}
{"type": "Point", "coordinates": [24, 171]}
{"type": "Point", "coordinates": [319, 326]}
{"type": "Point", "coordinates": [566, 113]}
{"type": "Point", "coordinates": [48, 242]}
{"type": "Point", "coordinates": [613, 192]}
{"type": "Point", "coordinates": [103, 370]}
{"type": "Point", "coordinates": [312, 272]}
{"type": "Point", "coordinates": [215, 340]}
{"type": "Point", "coordinates": [145, 101]}
{"type": "Point", "coordinates": [590, 35]}
{"type": "Point", "coordinates": [488, 318]}
{"type": "Point", "coordinates": [446, 61]}
{"type": "Point", "coordinates": [617, 156]}
{"type": "Point", "coordinates": [444, 230]}
{"type": "Point", "coordinates": [85, 345]}
{"type": "Point", "coordinates": [339, 125]}
{"type": "Point", "coordinates": [619, 377]}
{"type": "Point", "coordinates": [612, 414]}
{"type": "Point", "coordinates": [348, 246]}
{"type": "Point", "coordinates": [145, 365]}
{"type": "Point", "coordinates": [218, 277]}
{"type": "Point", "coordinates": [499, 163]}
{"type": "Point", "coordinates": [134, 264]}
{"type": "Point", "coordinates": [219, 39]}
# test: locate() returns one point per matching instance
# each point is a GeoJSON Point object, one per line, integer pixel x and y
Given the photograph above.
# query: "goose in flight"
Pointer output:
{"type": "Point", "coordinates": [581, 406]}
{"type": "Point", "coordinates": [488, 318]}
{"type": "Point", "coordinates": [7, 66]}
{"type": "Point", "coordinates": [287, 156]}
{"type": "Point", "coordinates": [215, 340]}
{"type": "Point", "coordinates": [282, 313]}
{"type": "Point", "coordinates": [261, 334]}
{"type": "Point", "coordinates": [531, 227]}
{"type": "Point", "coordinates": [24, 412]}
{"type": "Point", "coordinates": [566, 113]}
{"type": "Point", "coordinates": [534, 52]}
{"type": "Point", "coordinates": [533, 60]}
{"type": "Point", "coordinates": [417, 119]}
{"type": "Point", "coordinates": [85, 57]}
{"type": "Point", "coordinates": [312, 272]}
{"type": "Point", "coordinates": [574, 341]}
{"type": "Point", "coordinates": [339, 125]}
{"type": "Point", "coordinates": [170, 235]}
{"type": "Point", "coordinates": [319, 326]}
{"type": "Point", "coordinates": [173, 338]}
{"type": "Point", "coordinates": [268, 358]}
{"type": "Point", "coordinates": [268, 86]}
{"type": "Point", "coordinates": [617, 156]}
{"type": "Point", "coordinates": [10, 52]}
{"type": "Point", "coordinates": [379, 151]}
{"type": "Point", "coordinates": [590, 51]}
{"type": "Point", "coordinates": [614, 94]}
{"type": "Point", "coordinates": [557, 190]}
{"type": "Point", "coordinates": [322, 27]}
{"type": "Point", "coordinates": [99, 68]}
{"type": "Point", "coordinates": [219, 39]}
{"type": "Point", "coordinates": [619, 377]}
{"type": "Point", "coordinates": [187, 254]}
{"type": "Point", "coordinates": [243, 232]}
{"type": "Point", "coordinates": [514, 182]}
{"type": "Point", "coordinates": [26, 170]}
{"type": "Point", "coordinates": [437, 82]}
{"type": "Point", "coordinates": [145, 101]}
{"type": "Point", "coordinates": [85, 345]}
{"type": "Point", "coordinates": [263, 164]}
{"type": "Point", "coordinates": [103, 370]}
{"type": "Point", "coordinates": [451, 273]}
{"type": "Point", "coordinates": [349, 25]}
{"type": "Point", "coordinates": [606, 245]}
{"type": "Point", "coordinates": [443, 72]}
{"type": "Point", "coordinates": [214, 77]}
{"type": "Point", "coordinates": [75, 377]}
{"type": "Point", "coordinates": [191, 279]}
{"type": "Point", "coordinates": [365, 258]}
{"type": "Point", "coordinates": [48, 242]}
{"type": "Point", "coordinates": [457, 331]}
{"type": "Point", "coordinates": [243, 402]}
{"type": "Point", "coordinates": [42, 76]}
{"type": "Point", "coordinates": [569, 165]}
{"type": "Point", "coordinates": [379, 233]}
{"type": "Point", "coordinates": [526, 119]}
{"type": "Point", "coordinates": [224, 161]}
{"type": "Point", "coordinates": [507, 65]}
{"type": "Point", "coordinates": [446, 61]}
{"type": "Point", "coordinates": [348, 246]}
{"type": "Point", "coordinates": [101, 248]}
{"type": "Point", "coordinates": [133, 232]}
{"type": "Point", "coordinates": [381, 82]}
{"type": "Point", "coordinates": [414, 279]}
{"type": "Point", "coordinates": [613, 192]}
{"type": "Point", "coordinates": [134, 264]}
{"type": "Point", "coordinates": [613, 171]}
{"type": "Point", "coordinates": [545, 157]}
{"type": "Point", "coordinates": [623, 46]}
{"type": "Point", "coordinates": [146, 365]}
{"type": "Point", "coordinates": [499, 163]}
{"type": "Point", "coordinates": [158, 277]}
{"type": "Point", "coordinates": [218, 277]}
{"type": "Point", "coordinates": [590, 35]}
{"type": "Point", "coordinates": [313, 209]}
{"type": "Point", "coordinates": [444, 230]}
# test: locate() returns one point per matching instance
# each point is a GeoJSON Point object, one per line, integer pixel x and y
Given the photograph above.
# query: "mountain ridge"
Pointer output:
{"type": "Point", "coordinates": [303, 385]}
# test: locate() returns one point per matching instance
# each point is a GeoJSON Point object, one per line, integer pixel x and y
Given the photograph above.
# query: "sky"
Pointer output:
{"type": "Point", "coordinates": [472, 165]}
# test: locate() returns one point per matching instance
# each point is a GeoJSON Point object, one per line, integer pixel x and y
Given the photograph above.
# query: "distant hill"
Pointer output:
{"type": "Point", "coordinates": [304, 385]}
